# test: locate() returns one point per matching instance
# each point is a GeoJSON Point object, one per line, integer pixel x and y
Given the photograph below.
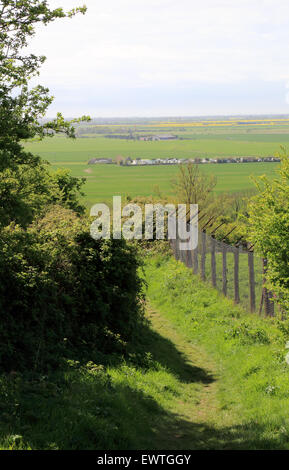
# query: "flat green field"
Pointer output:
{"type": "Point", "coordinates": [60, 149]}
{"type": "Point", "coordinates": [104, 181]}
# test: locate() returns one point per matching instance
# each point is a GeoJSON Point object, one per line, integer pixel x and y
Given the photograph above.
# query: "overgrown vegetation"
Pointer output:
{"type": "Point", "coordinates": [269, 217]}
{"type": "Point", "coordinates": [60, 290]}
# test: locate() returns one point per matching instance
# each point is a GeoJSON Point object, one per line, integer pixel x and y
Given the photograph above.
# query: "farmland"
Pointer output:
{"type": "Point", "coordinates": [103, 181]}
{"type": "Point", "coordinates": [206, 139]}
{"type": "Point", "coordinates": [62, 150]}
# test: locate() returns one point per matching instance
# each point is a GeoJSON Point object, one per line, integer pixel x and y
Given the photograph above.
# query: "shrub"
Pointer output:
{"type": "Point", "coordinates": [60, 290]}
{"type": "Point", "coordinates": [269, 217]}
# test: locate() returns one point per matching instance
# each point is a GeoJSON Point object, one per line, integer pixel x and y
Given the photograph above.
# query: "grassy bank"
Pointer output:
{"type": "Point", "coordinates": [249, 352]}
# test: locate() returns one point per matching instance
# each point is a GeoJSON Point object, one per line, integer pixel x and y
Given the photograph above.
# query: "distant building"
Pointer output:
{"type": "Point", "coordinates": [165, 137]}
{"type": "Point", "coordinates": [93, 161]}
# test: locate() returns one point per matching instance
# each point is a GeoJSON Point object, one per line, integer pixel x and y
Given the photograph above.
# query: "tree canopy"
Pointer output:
{"type": "Point", "coordinates": [25, 182]}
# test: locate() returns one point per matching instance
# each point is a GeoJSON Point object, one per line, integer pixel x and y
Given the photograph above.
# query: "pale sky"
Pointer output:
{"type": "Point", "coordinates": [168, 58]}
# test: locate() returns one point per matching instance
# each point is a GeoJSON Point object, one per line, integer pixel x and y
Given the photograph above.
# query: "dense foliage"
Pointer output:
{"type": "Point", "coordinates": [61, 290]}
{"type": "Point", "coordinates": [269, 213]}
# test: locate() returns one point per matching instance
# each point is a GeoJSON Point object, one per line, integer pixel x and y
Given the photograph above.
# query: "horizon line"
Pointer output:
{"type": "Point", "coordinates": [167, 116]}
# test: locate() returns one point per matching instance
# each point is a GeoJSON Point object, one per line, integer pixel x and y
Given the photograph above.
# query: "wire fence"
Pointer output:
{"type": "Point", "coordinates": [234, 270]}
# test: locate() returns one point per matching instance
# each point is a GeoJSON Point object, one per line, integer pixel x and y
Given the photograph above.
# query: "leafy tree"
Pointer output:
{"type": "Point", "coordinates": [192, 186]}
{"type": "Point", "coordinates": [70, 293]}
{"type": "Point", "coordinates": [25, 183]}
{"type": "Point", "coordinates": [68, 190]}
{"type": "Point", "coordinates": [269, 218]}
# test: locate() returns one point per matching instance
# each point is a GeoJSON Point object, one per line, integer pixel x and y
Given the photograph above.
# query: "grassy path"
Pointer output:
{"type": "Point", "coordinates": [197, 413]}
{"type": "Point", "coordinates": [168, 403]}
{"type": "Point", "coordinates": [243, 401]}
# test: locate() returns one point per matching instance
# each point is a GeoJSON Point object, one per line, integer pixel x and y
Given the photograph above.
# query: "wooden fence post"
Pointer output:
{"type": "Point", "coordinates": [177, 255]}
{"type": "Point", "coordinates": [182, 255]}
{"type": "Point", "coordinates": [271, 304]}
{"type": "Point", "coordinates": [196, 260]}
{"type": "Point", "coordinates": [236, 276]}
{"type": "Point", "coordinates": [251, 281]}
{"type": "Point", "coordinates": [203, 257]}
{"type": "Point", "coordinates": [267, 296]}
{"type": "Point", "coordinates": [189, 261]}
{"type": "Point", "coordinates": [265, 290]}
{"type": "Point", "coordinates": [225, 281]}
{"type": "Point", "coordinates": [213, 262]}
{"type": "Point", "coordinates": [173, 247]}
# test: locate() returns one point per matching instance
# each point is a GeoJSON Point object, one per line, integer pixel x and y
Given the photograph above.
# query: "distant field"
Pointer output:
{"type": "Point", "coordinates": [81, 150]}
{"type": "Point", "coordinates": [195, 141]}
{"type": "Point", "coordinates": [104, 181]}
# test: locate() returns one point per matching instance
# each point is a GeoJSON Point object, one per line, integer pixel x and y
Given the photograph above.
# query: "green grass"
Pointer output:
{"type": "Point", "coordinates": [203, 375]}
{"type": "Point", "coordinates": [104, 181]}
{"type": "Point", "coordinates": [60, 149]}
{"type": "Point", "coordinates": [253, 377]}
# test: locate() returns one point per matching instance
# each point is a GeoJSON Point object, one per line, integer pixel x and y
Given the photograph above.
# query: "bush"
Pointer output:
{"type": "Point", "coordinates": [269, 217]}
{"type": "Point", "coordinates": [60, 290]}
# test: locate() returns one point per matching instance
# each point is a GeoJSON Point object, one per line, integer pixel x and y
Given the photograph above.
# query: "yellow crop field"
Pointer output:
{"type": "Point", "coordinates": [230, 122]}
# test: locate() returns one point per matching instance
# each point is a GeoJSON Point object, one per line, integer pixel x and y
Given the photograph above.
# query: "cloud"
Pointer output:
{"type": "Point", "coordinates": [149, 44]}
